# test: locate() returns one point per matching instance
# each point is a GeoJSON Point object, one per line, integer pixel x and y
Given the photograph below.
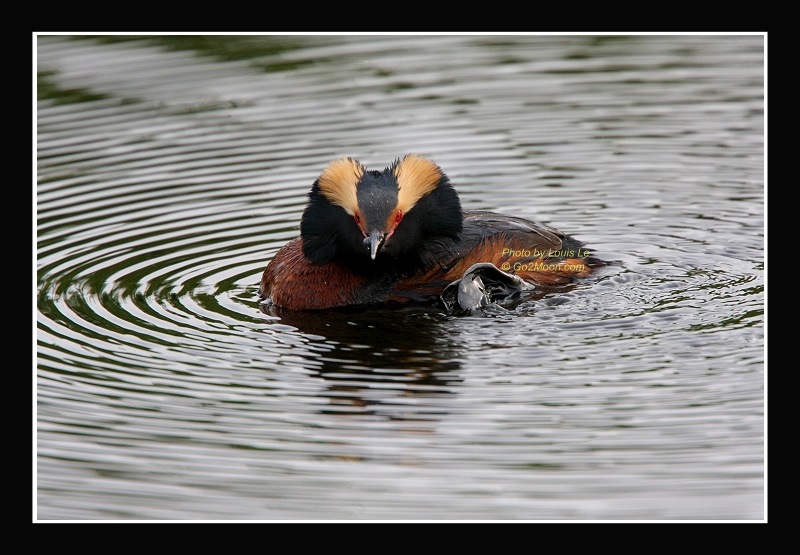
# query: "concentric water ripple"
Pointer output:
{"type": "Point", "coordinates": [171, 169]}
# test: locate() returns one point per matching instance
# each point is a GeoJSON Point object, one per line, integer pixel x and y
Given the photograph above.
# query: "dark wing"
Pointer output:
{"type": "Point", "coordinates": [483, 224]}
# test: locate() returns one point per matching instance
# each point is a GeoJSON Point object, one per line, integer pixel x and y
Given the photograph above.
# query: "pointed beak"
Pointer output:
{"type": "Point", "coordinates": [375, 241]}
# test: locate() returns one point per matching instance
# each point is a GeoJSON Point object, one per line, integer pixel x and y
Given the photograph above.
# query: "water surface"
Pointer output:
{"type": "Point", "coordinates": [171, 169]}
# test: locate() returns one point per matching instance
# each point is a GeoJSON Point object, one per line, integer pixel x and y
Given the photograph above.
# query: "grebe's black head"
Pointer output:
{"type": "Point", "coordinates": [354, 214]}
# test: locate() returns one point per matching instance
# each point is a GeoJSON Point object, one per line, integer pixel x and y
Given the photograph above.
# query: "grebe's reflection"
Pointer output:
{"type": "Point", "coordinates": [381, 361]}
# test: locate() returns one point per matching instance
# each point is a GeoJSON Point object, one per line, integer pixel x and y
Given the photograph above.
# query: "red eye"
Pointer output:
{"type": "Point", "coordinates": [357, 216]}
{"type": "Point", "coordinates": [398, 217]}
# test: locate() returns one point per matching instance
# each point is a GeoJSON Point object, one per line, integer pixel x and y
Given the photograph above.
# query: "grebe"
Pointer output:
{"type": "Point", "coordinates": [399, 236]}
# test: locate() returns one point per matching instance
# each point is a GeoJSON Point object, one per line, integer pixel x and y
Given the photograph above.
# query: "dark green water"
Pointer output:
{"type": "Point", "coordinates": [171, 169]}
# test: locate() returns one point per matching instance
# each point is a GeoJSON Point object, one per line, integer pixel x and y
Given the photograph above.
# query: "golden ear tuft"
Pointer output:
{"type": "Point", "coordinates": [338, 182]}
{"type": "Point", "coordinates": [416, 177]}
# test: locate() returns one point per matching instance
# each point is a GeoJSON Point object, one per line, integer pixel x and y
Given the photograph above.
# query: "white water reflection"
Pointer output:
{"type": "Point", "coordinates": [163, 392]}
